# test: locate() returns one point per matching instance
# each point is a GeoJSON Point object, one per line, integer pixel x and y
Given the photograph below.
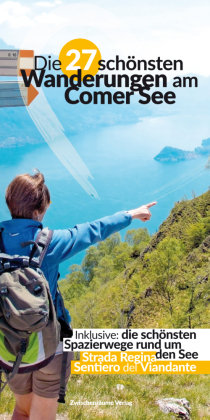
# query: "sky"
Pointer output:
{"type": "Point", "coordinates": [171, 29]}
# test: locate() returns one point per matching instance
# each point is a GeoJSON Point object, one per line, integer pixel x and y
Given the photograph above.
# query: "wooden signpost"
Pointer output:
{"type": "Point", "coordinates": [15, 93]}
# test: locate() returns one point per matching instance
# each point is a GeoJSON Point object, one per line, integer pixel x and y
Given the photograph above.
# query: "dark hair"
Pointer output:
{"type": "Point", "coordinates": [27, 193]}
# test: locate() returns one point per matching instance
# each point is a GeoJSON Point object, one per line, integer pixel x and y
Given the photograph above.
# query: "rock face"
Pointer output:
{"type": "Point", "coordinates": [180, 407]}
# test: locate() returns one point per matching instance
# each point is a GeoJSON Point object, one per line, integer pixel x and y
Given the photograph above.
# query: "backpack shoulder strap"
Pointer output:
{"type": "Point", "coordinates": [62, 391]}
{"type": "Point", "coordinates": [2, 249]}
{"type": "Point", "coordinates": [42, 243]}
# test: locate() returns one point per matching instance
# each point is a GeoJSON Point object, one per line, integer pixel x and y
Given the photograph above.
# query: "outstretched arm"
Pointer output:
{"type": "Point", "coordinates": [68, 242]}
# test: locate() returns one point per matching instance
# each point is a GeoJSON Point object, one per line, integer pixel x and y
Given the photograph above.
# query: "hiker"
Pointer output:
{"type": "Point", "coordinates": [27, 196]}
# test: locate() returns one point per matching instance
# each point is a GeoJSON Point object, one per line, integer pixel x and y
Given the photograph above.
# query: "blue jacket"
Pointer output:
{"type": "Point", "coordinates": [65, 242]}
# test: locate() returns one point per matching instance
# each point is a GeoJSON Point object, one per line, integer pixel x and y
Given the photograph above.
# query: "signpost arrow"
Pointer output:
{"type": "Point", "coordinates": [16, 94]}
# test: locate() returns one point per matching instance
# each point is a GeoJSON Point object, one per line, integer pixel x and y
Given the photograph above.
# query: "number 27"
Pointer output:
{"type": "Point", "coordinates": [72, 66]}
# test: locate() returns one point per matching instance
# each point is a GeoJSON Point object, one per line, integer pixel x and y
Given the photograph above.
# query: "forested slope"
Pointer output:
{"type": "Point", "coordinates": [145, 282]}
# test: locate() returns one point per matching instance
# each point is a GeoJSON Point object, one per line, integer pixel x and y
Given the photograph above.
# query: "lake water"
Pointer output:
{"type": "Point", "coordinates": [125, 176]}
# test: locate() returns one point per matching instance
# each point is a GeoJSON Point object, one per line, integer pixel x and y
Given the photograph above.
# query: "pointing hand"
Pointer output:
{"type": "Point", "coordinates": [142, 213]}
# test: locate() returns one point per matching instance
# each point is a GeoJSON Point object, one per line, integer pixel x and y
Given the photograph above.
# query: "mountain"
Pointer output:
{"type": "Point", "coordinates": [172, 154]}
{"type": "Point", "coordinates": [147, 282]}
{"type": "Point", "coordinates": [205, 147]}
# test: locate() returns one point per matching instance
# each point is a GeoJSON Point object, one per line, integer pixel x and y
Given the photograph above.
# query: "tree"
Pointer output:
{"type": "Point", "coordinates": [95, 253]}
{"type": "Point", "coordinates": [195, 234]}
{"type": "Point", "coordinates": [75, 283]}
{"type": "Point", "coordinates": [90, 262]}
{"type": "Point", "coordinates": [163, 267]}
{"type": "Point", "coordinates": [136, 236]}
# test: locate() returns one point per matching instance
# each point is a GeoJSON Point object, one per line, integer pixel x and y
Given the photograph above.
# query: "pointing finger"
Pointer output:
{"type": "Point", "coordinates": [151, 204]}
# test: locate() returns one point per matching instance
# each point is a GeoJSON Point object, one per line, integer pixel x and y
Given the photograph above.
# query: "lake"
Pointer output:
{"type": "Point", "coordinates": [120, 159]}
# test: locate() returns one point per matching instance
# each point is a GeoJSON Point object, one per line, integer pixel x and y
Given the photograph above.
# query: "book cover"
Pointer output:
{"type": "Point", "coordinates": [110, 101]}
